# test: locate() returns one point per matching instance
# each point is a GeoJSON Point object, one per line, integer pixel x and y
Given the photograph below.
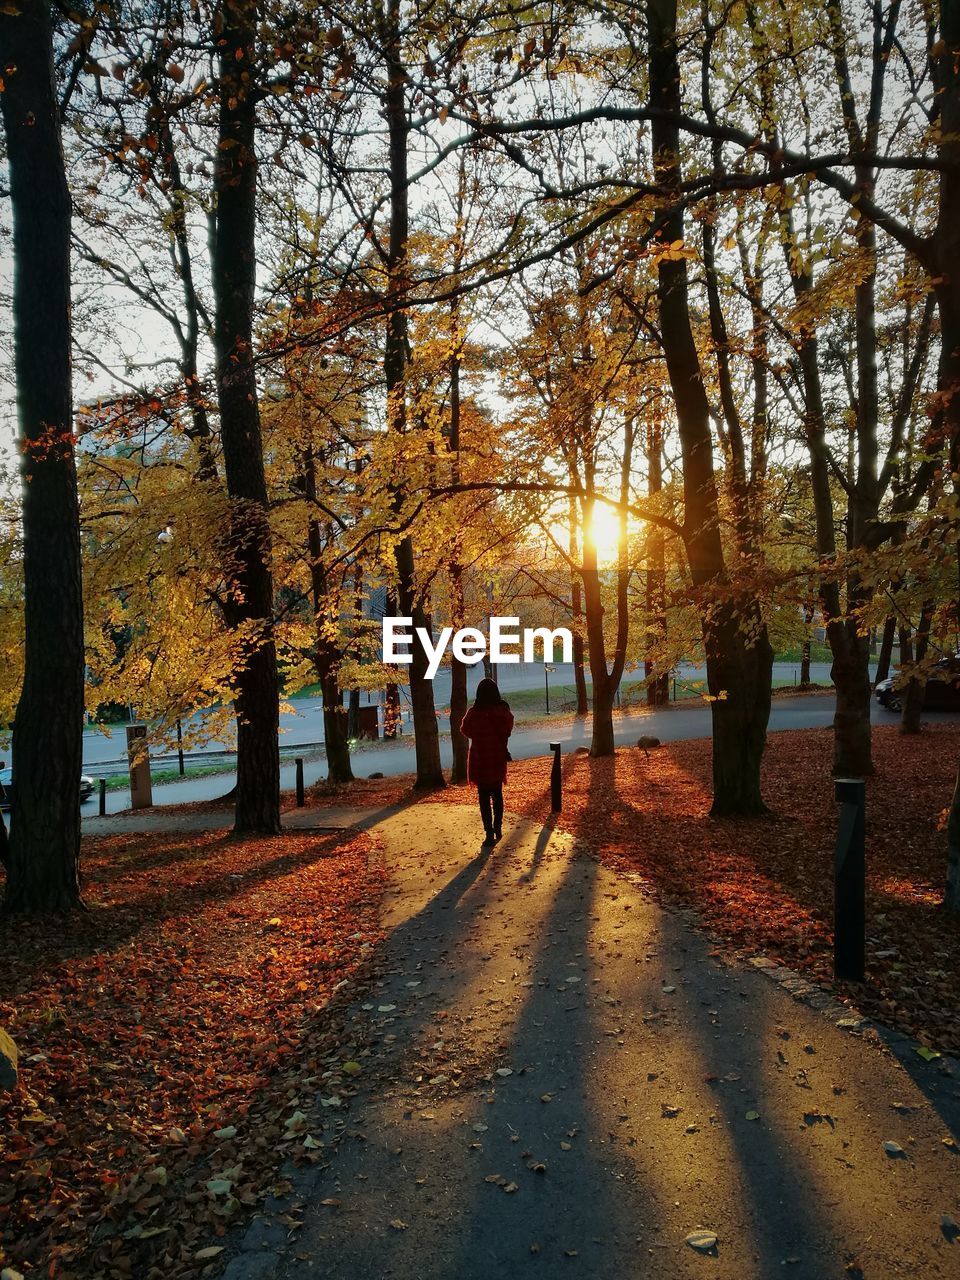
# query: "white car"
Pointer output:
{"type": "Point", "coordinates": [87, 788]}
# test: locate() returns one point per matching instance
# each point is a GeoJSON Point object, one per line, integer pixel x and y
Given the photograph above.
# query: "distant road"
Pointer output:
{"type": "Point", "coordinates": [672, 724]}
{"type": "Point", "coordinates": [304, 723]}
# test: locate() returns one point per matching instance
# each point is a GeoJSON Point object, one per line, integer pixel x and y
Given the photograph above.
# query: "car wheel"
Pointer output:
{"type": "Point", "coordinates": [893, 703]}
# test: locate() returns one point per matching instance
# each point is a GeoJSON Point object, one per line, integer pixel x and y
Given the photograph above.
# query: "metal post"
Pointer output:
{"type": "Point", "coordinates": [299, 764]}
{"type": "Point", "coordinates": [546, 685]}
{"type": "Point", "coordinates": [103, 797]}
{"type": "Point", "coordinates": [849, 877]}
{"type": "Point", "coordinates": [180, 746]}
{"type": "Point", "coordinates": [556, 787]}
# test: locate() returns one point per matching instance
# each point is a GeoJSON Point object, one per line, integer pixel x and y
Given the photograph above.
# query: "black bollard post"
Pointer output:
{"type": "Point", "coordinates": [849, 881]}
{"type": "Point", "coordinates": [103, 797]}
{"type": "Point", "coordinates": [299, 764]}
{"type": "Point", "coordinates": [556, 788]}
{"type": "Point", "coordinates": [180, 746]}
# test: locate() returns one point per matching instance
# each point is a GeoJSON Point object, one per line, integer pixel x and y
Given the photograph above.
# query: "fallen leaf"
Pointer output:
{"type": "Point", "coordinates": [928, 1055]}
{"type": "Point", "coordinates": [702, 1241]}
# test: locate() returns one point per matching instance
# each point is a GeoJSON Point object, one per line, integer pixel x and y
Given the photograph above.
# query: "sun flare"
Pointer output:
{"type": "Point", "coordinates": [604, 532]}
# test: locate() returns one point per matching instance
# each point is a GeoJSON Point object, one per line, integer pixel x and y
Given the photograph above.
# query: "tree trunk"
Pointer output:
{"type": "Point", "coordinates": [353, 715]}
{"type": "Point", "coordinates": [946, 244]}
{"type": "Point", "coordinates": [233, 274]}
{"type": "Point", "coordinates": [392, 715]}
{"type": "Point", "coordinates": [739, 680]}
{"type": "Point", "coordinates": [850, 674]}
{"type": "Point", "coordinates": [913, 694]}
{"type": "Point", "coordinates": [601, 740]}
{"type": "Point", "coordinates": [395, 357]}
{"type": "Point", "coordinates": [335, 732]}
{"type": "Point", "coordinates": [458, 669]}
{"type": "Point", "coordinates": [886, 649]}
{"type": "Point", "coordinates": [576, 618]}
{"type": "Point", "coordinates": [805, 665]}
{"type": "Point", "coordinates": [738, 652]}
{"type": "Point", "coordinates": [458, 685]}
{"type": "Point", "coordinates": [426, 729]}
{"type": "Point", "coordinates": [658, 684]}
{"type": "Point", "coordinates": [951, 898]}
{"type": "Point", "coordinates": [44, 844]}
{"type": "Point", "coordinates": [850, 670]}
{"type": "Point", "coordinates": [327, 653]}
{"type": "Point", "coordinates": [606, 680]}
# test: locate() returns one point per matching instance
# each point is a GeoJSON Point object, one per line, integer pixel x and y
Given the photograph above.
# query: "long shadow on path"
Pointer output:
{"type": "Point", "coordinates": [567, 1078]}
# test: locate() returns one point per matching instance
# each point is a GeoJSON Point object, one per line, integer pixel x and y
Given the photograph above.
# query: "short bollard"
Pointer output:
{"type": "Point", "coordinates": [849, 879]}
{"type": "Point", "coordinates": [299, 764]}
{"type": "Point", "coordinates": [556, 787]}
{"type": "Point", "coordinates": [103, 797]}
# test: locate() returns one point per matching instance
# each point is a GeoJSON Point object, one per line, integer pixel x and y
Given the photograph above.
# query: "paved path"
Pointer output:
{"type": "Point", "coordinates": [566, 1080]}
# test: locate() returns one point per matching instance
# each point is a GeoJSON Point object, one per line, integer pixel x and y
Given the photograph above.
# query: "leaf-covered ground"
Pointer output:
{"type": "Point", "coordinates": [767, 885]}
{"type": "Point", "coordinates": [166, 1038]}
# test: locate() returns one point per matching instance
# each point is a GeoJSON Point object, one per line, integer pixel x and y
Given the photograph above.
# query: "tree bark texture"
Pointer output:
{"type": "Point", "coordinates": [738, 653]}
{"type": "Point", "coordinates": [425, 727]}
{"type": "Point", "coordinates": [44, 845]}
{"type": "Point", "coordinates": [458, 669]}
{"type": "Point", "coordinates": [327, 654]}
{"type": "Point", "coordinates": [233, 271]}
{"type": "Point", "coordinates": [951, 898]}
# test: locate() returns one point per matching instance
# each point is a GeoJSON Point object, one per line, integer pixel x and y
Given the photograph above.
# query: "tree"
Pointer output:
{"type": "Point", "coordinates": [43, 859]}
{"type": "Point", "coordinates": [738, 652]}
{"type": "Point", "coordinates": [233, 269]}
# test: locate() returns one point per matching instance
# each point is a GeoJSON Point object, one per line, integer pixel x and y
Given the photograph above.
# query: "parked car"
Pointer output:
{"type": "Point", "coordinates": [87, 788]}
{"type": "Point", "coordinates": [942, 691]}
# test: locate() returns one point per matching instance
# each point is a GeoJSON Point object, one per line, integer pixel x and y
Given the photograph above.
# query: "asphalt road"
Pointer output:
{"type": "Point", "coordinates": [303, 724]}
{"type": "Point", "coordinates": [682, 721]}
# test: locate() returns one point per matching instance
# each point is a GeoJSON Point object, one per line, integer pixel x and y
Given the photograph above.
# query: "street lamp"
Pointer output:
{"type": "Point", "coordinates": [546, 684]}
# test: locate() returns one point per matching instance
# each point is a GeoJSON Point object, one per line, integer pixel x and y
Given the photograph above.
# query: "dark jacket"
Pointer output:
{"type": "Point", "coordinates": [488, 729]}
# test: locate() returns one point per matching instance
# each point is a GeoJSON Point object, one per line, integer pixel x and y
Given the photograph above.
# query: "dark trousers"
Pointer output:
{"type": "Point", "coordinates": [491, 807]}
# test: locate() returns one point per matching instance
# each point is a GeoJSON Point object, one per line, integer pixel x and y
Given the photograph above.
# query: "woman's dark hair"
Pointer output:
{"type": "Point", "coordinates": [488, 695]}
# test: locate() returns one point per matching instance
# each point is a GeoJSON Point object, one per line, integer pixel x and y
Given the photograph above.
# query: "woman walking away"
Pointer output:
{"type": "Point", "coordinates": [488, 724]}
